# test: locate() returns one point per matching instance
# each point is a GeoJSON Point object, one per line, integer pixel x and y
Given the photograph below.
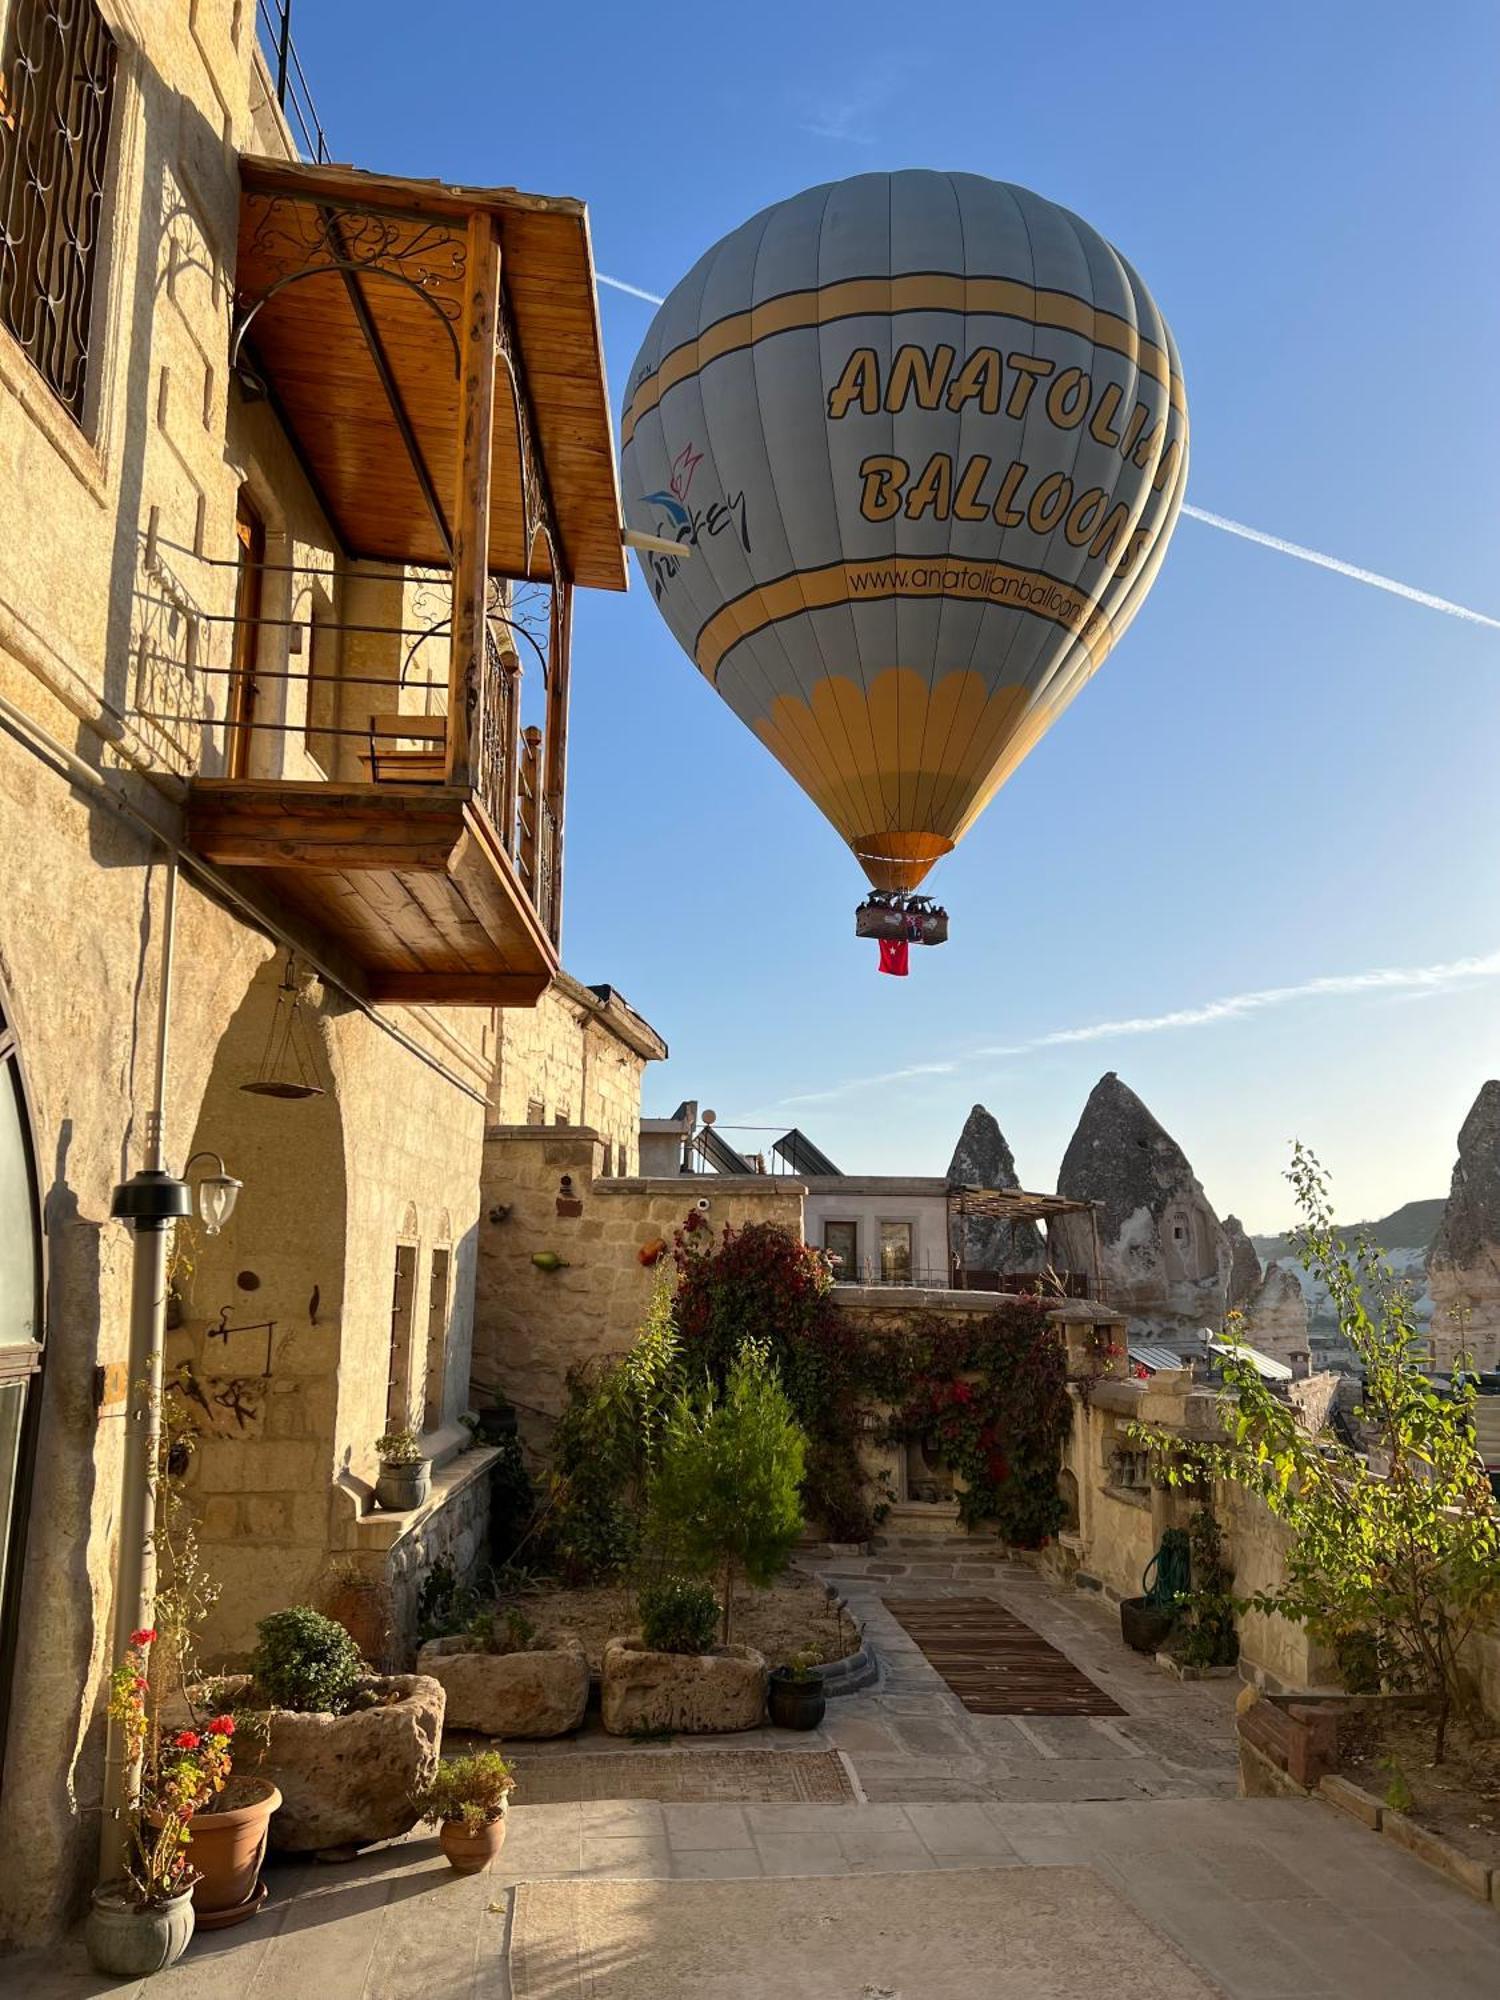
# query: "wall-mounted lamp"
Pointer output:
{"type": "Point", "coordinates": [217, 1193]}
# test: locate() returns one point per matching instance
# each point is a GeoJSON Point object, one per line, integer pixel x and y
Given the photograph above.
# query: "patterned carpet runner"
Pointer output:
{"type": "Point", "coordinates": [994, 1662]}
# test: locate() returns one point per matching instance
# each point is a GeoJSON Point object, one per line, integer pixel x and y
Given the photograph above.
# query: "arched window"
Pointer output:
{"type": "Point", "coordinates": [21, 1296]}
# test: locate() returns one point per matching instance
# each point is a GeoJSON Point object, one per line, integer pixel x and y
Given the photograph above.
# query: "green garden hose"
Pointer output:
{"type": "Point", "coordinates": [1168, 1577]}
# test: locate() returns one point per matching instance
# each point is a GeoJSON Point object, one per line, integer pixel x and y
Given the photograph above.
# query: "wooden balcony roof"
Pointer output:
{"type": "Point", "coordinates": [350, 302]}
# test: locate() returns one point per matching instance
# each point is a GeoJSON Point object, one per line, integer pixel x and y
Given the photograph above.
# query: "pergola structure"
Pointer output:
{"type": "Point", "coordinates": [966, 1204]}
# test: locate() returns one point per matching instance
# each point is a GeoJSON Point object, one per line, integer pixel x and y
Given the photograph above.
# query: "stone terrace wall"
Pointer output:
{"type": "Point", "coordinates": [530, 1325]}
{"type": "Point", "coordinates": [558, 1064]}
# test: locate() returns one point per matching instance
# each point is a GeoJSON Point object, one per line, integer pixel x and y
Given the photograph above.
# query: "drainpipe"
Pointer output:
{"type": "Point", "coordinates": [150, 1201]}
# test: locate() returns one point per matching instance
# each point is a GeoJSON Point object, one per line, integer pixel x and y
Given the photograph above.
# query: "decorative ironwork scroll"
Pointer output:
{"type": "Point", "coordinates": [56, 91]}
{"type": "Point", "coordinates": [536, 498]}
{"type": "Point", "coordinates": [296, 239]}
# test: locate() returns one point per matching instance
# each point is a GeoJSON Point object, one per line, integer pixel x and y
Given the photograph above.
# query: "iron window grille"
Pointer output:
{"type": "Point", "coordinates": [57, 80]}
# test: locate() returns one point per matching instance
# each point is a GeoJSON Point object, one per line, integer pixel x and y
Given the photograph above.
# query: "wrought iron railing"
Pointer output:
{"type": "Point", "coordinates": [273, 20]}
{"type": "Point", "coordinates": [344, 672]}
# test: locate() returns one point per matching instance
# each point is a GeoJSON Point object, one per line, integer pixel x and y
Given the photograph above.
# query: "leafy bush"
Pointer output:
{"type": "Point", "coordinates": [1205, 1635]}
{"type": "Point", "coordinates": [514, 1632]}
{"type": "Point", "coordinates": [1407, 1555]}
{"type": "Point", "coordinates": [678, 1615]}
{"type": "Point", "coordinates": [724, 1496]}
{"type": "Point", "coordinates": [762, 1283]}
{"type": "Point", "coordinates": [605, 1445]}
{"type": "Point", "coordinates": [473, 1789]}
{"type": "Point", "coordinates": [306, 1662]}
{"type": "Point", "coordinates": [990, 1398]}
{"type": "Point", "coordinates": [399, 1447]}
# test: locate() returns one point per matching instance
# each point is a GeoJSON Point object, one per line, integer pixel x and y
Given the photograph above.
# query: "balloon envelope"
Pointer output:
{"type": "Point", "coordinates": [925, 436]}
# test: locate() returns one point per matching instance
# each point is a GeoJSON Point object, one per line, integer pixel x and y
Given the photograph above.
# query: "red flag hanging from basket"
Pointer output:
{"type": "Point", "coordinates": [895, 954]}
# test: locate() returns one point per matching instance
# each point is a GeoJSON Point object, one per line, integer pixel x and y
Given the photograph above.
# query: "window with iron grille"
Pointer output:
{"type": "Point", "coordinates": [57, 79]}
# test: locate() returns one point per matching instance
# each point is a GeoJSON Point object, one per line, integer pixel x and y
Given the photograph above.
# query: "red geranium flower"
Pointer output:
{"type": "Point", "coordinates": [144, 1637]}
{"type": "Point", "coordinates": [222, 1725]}
{"type": "Point", "coordinates": [186, 1739]}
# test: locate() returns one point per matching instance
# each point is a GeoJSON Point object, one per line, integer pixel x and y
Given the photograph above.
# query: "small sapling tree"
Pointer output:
{"type": "Point", "coordinates": [724, 1490]}
{"type": "Point", "coordinates": [1395, 1550]}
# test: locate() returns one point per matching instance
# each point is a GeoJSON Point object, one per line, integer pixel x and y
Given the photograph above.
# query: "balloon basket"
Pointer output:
{"type": "Point", "coordinates": [888, 917]}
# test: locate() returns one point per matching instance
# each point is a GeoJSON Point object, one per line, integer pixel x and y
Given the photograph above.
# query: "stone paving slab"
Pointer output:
{"type": "Point", "coordinates": [1269, 1898]}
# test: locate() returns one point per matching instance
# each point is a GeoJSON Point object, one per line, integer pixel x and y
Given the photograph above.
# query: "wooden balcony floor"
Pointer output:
{"type": "Point", "coordinates": [410, 881]}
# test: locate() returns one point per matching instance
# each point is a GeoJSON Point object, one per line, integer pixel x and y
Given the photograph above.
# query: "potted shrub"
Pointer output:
{"type": "Point", "coordinates": [403, 1481]}
{"type": "Point", "coordinates": [502, 1678]}
{"type": "Point", "coordinates": [347, 1749]}
{"type": "Point", "coordinates": [795, 1693]}
{"type": "Point", "coordinates": [673, 1676]}
{"type": "Point", "coordinates": [467, 1800]}
{"type": "Point", "coordinates": [143, 1923]}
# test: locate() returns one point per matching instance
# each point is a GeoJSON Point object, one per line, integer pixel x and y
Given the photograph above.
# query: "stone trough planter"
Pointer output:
{"type": "Point", "coordinates": [349, 1780]}
{"type": "Point", "coordinates": [540, 1692]}
{"type": "Point", "coordinates": [691, 1694]}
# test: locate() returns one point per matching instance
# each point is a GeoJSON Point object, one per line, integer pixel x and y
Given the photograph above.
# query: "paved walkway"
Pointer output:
{"type": "Point", "coordinates": [1270, 1898]}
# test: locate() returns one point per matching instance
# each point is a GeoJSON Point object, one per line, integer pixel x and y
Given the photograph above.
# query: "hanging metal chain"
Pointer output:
{"type": "Point", "coordinates": [56, 91]}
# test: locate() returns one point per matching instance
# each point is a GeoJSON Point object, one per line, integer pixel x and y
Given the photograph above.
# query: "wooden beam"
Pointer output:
{"type": "Point", "coordinates": [388, 383]}
{"type": "Point", "coordinates": [460, 989]}
{"type": "Point", "coordinates": [471, 509]}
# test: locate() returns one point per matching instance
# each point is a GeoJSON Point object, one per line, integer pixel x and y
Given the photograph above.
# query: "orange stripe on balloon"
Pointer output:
{"type": "Point", "coordinates": [921, 291]}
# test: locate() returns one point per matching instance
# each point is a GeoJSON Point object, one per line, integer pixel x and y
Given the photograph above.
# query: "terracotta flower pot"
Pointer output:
{"type": "Point", "coordinates": [130, 1940]}
{"type": "Point", "coordinates": [228, 1848]}
{"type": "Point", "coordinates": [469, 1852]}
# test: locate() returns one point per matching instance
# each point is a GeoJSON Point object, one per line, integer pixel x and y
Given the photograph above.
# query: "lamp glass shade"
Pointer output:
{"type": "Point", "coordinates": [217, 1194]}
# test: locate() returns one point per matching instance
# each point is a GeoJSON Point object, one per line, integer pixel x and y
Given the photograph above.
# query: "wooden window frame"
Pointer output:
{"type": "Point", "coordinates": [852, 1274]}
{"type": "Point", "coordinates": [882, 1224]}
{"type": "Point", "coordinates": [399, 1353]}
{"type": "Point", "coordinates": [439, 1321]}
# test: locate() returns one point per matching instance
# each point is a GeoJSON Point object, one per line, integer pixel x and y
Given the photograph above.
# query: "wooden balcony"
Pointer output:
{"type": "Point", "coordinates": [433, 357]}
{"type": "Point", "coordinates": [411, 883]}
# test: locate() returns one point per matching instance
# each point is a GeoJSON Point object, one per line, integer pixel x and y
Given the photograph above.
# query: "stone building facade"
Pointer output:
{"type": "Point", "coordinates": [150, 492]}
{"type": "Point", "coordinates": [577, 1058]}
{"type": "Point", "coordinates": [544, 1196]}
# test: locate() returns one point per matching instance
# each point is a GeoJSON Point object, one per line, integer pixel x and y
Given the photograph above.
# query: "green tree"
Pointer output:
{"type": "Point", "coordinates": [1395, 1554]}
{"type": "Point", "coordinates": [606, 1444]}
{"type": "Point", "coordinates": [724, 1492]}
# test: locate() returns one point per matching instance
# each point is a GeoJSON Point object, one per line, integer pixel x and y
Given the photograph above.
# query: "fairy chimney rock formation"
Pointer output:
{"type": "Point", "coordinates": [1163, 1254]}
{"type": "Point", "coordinates": [1276, 1317]}
{"type": "Point", "coordinates": [1244, 1265]}
{"type": "Point", "coordinates": [982, 1159]}
{"type": "Point", "coordinates": [1463, 1265]}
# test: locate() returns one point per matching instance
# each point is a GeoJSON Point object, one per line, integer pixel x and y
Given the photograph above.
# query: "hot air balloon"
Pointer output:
{"type": "Point", "coordinates": [923, 439]}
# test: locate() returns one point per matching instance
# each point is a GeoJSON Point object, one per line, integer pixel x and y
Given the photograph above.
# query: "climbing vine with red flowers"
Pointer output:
{"type": "Point", "coordinates": [987, 1393]}
{"type": "Point", "coordinates": [988, 1397]}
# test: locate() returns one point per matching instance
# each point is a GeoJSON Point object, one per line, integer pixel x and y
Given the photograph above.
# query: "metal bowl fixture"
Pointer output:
{"type": "Point", "coordinates": [288, 1066]}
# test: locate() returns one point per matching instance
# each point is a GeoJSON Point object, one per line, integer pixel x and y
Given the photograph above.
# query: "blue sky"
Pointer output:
{"type": "Point", "coordinates": [1281, 776]}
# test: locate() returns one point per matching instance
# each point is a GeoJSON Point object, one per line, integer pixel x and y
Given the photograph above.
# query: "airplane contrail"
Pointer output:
{"type": "Point", "coordinates": [619, 285]}
{"type": "Point", "coordinates": [1380, 979]}
{"type": "Point", "coordinates": [1248, 534]}
{"type": "Point", "coordinates": [1339, 567]}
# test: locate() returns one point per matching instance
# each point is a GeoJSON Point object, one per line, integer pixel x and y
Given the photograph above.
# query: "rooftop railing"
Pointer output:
{"type": "Point", "coordinates": [273, 21]}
